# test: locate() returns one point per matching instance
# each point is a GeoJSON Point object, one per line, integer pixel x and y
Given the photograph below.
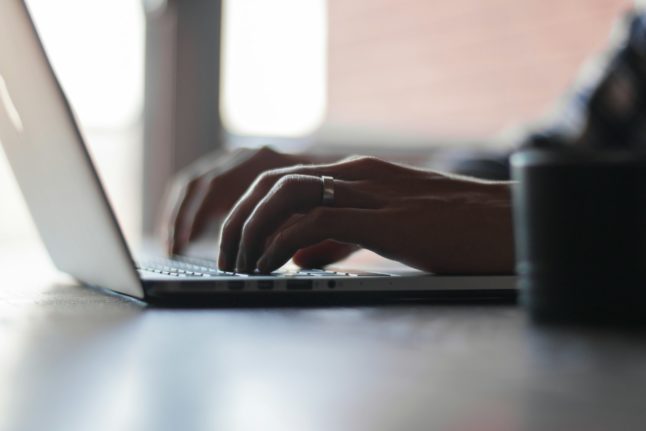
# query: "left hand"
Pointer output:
{"type": "Point", "coordinates": [429, 220]}
{"type": "Point", "coordinates": [207, 190]}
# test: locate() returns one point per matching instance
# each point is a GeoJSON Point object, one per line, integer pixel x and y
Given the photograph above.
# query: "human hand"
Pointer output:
{"type": "Point", "coordinates": [428, 220]}
{"type": "Point", "coordinates": [207, 189]}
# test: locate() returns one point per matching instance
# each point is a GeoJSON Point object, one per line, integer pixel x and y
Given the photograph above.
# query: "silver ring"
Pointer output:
{"type": "Point", "coordinates": [328, 190]}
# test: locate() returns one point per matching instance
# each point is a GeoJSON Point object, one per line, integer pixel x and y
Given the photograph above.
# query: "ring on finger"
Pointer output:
{"type": "Point", "coordinates": [327, 183]}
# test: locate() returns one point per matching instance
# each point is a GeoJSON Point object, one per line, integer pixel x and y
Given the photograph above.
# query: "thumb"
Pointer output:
{"type": "Point", "coordinates": [323, 253]}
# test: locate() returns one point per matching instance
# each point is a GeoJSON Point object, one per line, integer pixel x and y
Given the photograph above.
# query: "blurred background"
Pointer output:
{"type": "Point", "coordinates": [156, 84]}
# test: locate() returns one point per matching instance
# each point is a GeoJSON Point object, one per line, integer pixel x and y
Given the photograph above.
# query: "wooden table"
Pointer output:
{"type": "Point", "coordinates": [76, 359]}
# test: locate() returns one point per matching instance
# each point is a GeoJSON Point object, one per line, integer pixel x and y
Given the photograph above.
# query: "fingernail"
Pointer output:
{"type": "Point", "coordinates": [263, 264]}
{"type": "Point", "coordinates": [241, 262]}
{"type": "Point", "coordinates": [223, 262]}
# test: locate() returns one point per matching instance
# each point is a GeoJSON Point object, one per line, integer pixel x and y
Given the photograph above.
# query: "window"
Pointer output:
{"type": "Point", "coordinates": [384, 70]}
{"type": "Point", "coordinates": [429, 69]}
{"type": "Point", "coordinates": [96, 49]}
{"type": "Point", "coordinates": [457, 68]}
{"type": "Point", "coordinates": [273, 66]}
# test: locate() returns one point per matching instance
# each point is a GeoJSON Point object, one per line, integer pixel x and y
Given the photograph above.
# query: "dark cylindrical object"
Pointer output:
{"type": "Point", "coordinates": [580, 229]}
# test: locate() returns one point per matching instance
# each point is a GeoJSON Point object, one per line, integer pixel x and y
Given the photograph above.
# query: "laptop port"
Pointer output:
{"type": "Point", "coordinates": [235, 285]}
{"type": "Point", "coordinates": [265, 284]}
{"type": "Point", "coordinates": [299, 284]}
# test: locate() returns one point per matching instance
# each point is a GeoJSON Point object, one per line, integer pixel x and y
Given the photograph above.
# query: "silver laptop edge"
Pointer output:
{"type": "Point", "coordinates": [64, 195]}
{"type": "Point", "coordinates": [50, 162]}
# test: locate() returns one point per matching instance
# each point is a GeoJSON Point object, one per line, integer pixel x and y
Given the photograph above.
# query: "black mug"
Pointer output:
{"type": "Point", "coordinates": [580, 233]}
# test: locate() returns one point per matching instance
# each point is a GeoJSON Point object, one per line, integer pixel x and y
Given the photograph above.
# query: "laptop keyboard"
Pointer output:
{"type": "Point", "coordinates": [191, 267]}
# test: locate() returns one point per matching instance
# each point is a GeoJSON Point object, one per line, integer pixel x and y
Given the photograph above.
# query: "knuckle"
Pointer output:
{"type": "Point", "coordinates": [183, 178]}
{"type": "Point", "coordinates": [287, 187]}
{"type": "Point", "coordinates": [287, 183]}
{"type": "Point", "coordinates": [266, 179]}
{"type": "Point", "coordinates": [212, 180]}
{"type": "Point", "coordinates": [281, 191]}
{"type": "Point", "coordinates": [192, 185]}
{"type": "Point", "coordinates": [265, 150]}
{"type": "Point", "coordinates": [363, 162]}
{"type": "Point", "coordinates": [184, 183]}
{"type": "Point", "coordinates": [369, 161]}
{"type": "Point", "coordinates": [189, 174]}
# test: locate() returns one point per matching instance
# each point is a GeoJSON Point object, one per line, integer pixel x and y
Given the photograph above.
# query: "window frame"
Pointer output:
{"type": "Point", "coordinates": [182, 93]}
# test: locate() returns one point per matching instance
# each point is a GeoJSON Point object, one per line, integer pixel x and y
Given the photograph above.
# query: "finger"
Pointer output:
{"type": "Point", "coordinates": [225, 183]}
{"type": "Point", "coordinates": [233, 223]}
{"type": "Point", "coordinates": [177, 239]}
{"type": "Point", "coordinates": [349, 169]}
{"type": "Point", "coordinates": [292, 194]}
{"type": "Point", "coordinates": [300, 192]}
{"type": "Point", "coordinates": [206, 208]}
{"type": "Point", "coordinates": [353, 226]}
{"type": "Point", "coordinates": [181, 196]}
{"type": "Point", "coordinates": [318, 255]}
{"type": "Point", "coordinates": [223, 192]}
{"type": "Point", "coordinates": [323, 254]}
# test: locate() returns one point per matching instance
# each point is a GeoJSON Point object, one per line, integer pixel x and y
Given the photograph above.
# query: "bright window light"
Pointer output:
{"type": "Point", "coordinates": [274, 66]}
{"type": "Point", "coordinates": [97, 52]}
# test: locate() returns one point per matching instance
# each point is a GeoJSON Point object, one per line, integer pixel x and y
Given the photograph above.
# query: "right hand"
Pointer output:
{"type": "Point", "coordinates": [429, 220]}
{"type": "Point", "coordinates": [206, 191]}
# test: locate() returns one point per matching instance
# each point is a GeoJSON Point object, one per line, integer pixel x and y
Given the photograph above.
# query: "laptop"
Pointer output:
{"type": "Point", "coordinates": [49, 159]}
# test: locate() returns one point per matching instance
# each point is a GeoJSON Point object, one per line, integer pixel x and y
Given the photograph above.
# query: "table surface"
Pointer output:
{"type": "Point", "coordinates": [72, 358]}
